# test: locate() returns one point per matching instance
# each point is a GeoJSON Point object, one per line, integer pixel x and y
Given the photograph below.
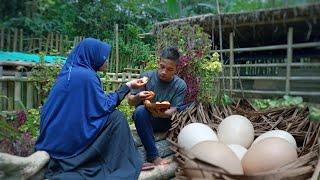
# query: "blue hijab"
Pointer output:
{"type": "Point", "coordinates": [77, 107]}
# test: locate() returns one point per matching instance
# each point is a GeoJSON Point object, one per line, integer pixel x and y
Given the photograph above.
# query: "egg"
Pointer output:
{"type": "Point", "coordinates": [194, 133]}
{"type": "Point", "coordinates": [236, 129]}
{"type": "Point", "coordinates": [239, 150]}
{"type": "Point", "coordinates": [269, 154]}
{"type": "Point", "coordinates": [194, 170]}
{"type": "Point", "coordinates": [218, 154]}
{"type": "Point", "coordinates": [277, 133]}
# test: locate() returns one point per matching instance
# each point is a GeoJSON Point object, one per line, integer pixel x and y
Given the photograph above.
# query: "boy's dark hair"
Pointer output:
{"type": "Point", "coordinates": [170, 53]}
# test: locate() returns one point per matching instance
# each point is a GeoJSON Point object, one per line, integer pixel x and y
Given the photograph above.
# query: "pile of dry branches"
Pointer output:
{"type": "Point", "coordinates": [291, 119]}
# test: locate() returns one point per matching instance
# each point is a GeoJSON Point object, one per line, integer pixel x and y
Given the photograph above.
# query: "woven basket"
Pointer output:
{"type": "Point", "coordinates": [292, 119]}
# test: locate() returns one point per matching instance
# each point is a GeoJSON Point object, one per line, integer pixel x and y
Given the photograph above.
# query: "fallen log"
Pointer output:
{"type": "Point", "coordinates": [160, 172]}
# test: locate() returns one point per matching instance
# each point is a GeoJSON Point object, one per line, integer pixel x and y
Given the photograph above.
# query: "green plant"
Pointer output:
{"type": "Point", "coordinates": [44, 75]}
{"type": "Point", "coordinates": [273, 103]}
{"type": "Point", "coordinates": [209, 69]}
{"type": "Point", "coordinates": [152, 63]}
{"type": "Point", "coordinates": [32, 123]}
{"type": "Point", "coordinates": [7, 131]}
{"type": "Point", "coordinates": [127, 110]}
{"type": "Point", "coordinates": [314, 113]}
{"type": "Point", "coordinates": [196, 66]}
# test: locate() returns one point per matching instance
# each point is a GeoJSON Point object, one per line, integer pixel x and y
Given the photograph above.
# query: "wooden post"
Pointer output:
{"type": "Point", "coordinates": [40, 44]}
{"type": "Point", "coordinates": [220, 40]}
{"type": "Point", "coordinates": [129, 76]}
{"type": "Point", "coordinates": [8, 40]}
{"type": "Point", "coordinates": [231, 61]}
{"type": "Point", "coordinates": [65, 43]}
{"type": "Point", "coordinates": [289, 59]}
{"type": "Point", "coordinates": [2, 39]}
{"type": "Point", "coordinates": [17, 91]}
{"type": "Point", "coordinates": [47, 43]}
{"type": "Point", "coordinates": [31, 45]}
{"type": "Point", "coordinates": [15, 39]}
{"type": "Point", "coordinates": [61, 45]}
{"type": "Point", "coordinates": [74, 41]}
{"type": "Point", "coordinates": [29, 92]}
{"type": "Point", "coordinates": [1, 90]}
{"type": "Point", "coordinates": [117, 51]}
{"type": "Point", "coordinates": [57, 42]}
{"type": "Point", "coordinates": [21, 40]}
{"type": "Point", "coordinates": [51, 40]}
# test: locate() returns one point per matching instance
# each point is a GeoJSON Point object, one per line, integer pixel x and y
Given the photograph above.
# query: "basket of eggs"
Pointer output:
{"type": "Point", "coordinates": [238, 141]}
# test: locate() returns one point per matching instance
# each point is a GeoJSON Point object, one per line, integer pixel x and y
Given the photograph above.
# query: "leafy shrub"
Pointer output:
{"type": "Point", "coordinates": [127, 110]}
{"type": "Point", "coordinates": [32, 123]}
{"type": "Point", "coordinates": [196, 66]}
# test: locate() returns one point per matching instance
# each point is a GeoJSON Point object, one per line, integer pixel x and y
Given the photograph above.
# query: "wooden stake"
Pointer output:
{"type": "Point", "coordinates": [289, 59]}
{"type": "Point", "coordinates": [15, 39]}
{"type": "Point", "coordinates": [29, 93]}
{"type": "Point", "coordinates": [21, 40]}
{"type": "Point", "coordinates": [17, 90]}
{"type": "Point", "coordinates": [1, 90]}
{"type": "Point", "coordinates": [8, 40]}
{"type": "Point", "coordinates": [231, 62]}
{"type": "Point", "coordinates": [2, 39]}
{"type": "Point", "coordinates": [117, 51]}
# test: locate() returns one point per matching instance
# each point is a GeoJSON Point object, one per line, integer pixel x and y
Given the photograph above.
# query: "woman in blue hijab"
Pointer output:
{"type": "Point", "coordinates": [80, 129]}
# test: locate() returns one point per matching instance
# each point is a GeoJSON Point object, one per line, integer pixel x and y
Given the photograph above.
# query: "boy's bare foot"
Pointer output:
{"type": "Point", "coordinates": [147, 166]}
{"type": "Point", "coordinates": [160, 161]}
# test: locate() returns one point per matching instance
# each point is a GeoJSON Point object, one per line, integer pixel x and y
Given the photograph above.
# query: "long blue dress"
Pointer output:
{"type": "Point", "coordinates": [80, 128]}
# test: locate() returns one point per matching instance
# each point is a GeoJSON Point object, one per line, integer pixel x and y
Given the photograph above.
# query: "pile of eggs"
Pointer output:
{"type": "Point", "coordinates": [234, 148]}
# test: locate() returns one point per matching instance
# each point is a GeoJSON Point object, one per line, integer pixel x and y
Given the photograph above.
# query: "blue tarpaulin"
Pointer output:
{"type": "Point", "coordinates": [18, 56]}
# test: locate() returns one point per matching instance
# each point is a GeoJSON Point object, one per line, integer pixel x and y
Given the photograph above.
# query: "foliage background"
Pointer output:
{"type": "Point", "coordinates": [97, 18]}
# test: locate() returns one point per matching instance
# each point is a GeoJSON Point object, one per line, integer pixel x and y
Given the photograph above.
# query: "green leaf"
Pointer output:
{"type": "Point", "coordinates": [173, 8]}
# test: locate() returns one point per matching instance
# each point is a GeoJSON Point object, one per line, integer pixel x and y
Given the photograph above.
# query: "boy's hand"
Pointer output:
{"type": "Point", "coordinates": [146, 95]}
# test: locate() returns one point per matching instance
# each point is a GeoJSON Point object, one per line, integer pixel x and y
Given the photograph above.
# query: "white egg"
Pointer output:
{"type": "Point", "coordinates": [236, 129]}
{"type": "Point", "coordinates": [239, 150]}
{"type": "Point", "coordinates": [269, 154]}
{"type": "Point", "coordinates": [277, 133]}
{"type": "Point", "coordinates": [194, 133]}
{"type": "Point", "coordinates": [218, 154]}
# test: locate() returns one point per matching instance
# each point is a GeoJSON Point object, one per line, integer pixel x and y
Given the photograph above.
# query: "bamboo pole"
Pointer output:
{"type": "Point", "coordinates": [2, 39]}
{"type": "Point", "coordinates": [47, 43]}
{"type": "Point", "coordinates": [272, 47]}
{"type": "Point", "coordinates": [51, 41]}
{"type": "Point", "coordinates": [8, 40]}
{"type": "Point", "coordinates": [57, 42]}
{"type": "Point", "coordinates": [289, 60]}
{"type": "Point", "coordinates": [29, 93]}
{"type": "Point", "coordinates": [299, 64]}
{"type": "Point", "coordinates": [61, 44]}
{"type": "Point", "coordinates": [279, 78]}
{"type": "Point", "coordinates": [65, 44]}
{"type": "Point", "coordinates": [117, 51]}
{"type": "Point", "coordinates": [294, 93]}
{"type": "Point", "coordinates": [21, 40]}
{"type": "Point", "coordinates": [17, 90]}
{"type": "Point", "coordinates": [15, 39]}
{"type": "Point", "coordinates": [231, 61]}
{"type": "Point", "coordinates": [1, 89]}
{"type": "Point", "coordinates": [220, 40]}
{"type": "Point", "coordinates": [40, 44]}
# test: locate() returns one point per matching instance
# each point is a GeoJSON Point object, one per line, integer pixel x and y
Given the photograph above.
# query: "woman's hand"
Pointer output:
{"type": "Point", "coordinates": [137, 83]}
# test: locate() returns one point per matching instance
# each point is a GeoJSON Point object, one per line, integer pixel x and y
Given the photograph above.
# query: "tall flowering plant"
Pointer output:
{"type": "Point", "coordinates": [196, 66]}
